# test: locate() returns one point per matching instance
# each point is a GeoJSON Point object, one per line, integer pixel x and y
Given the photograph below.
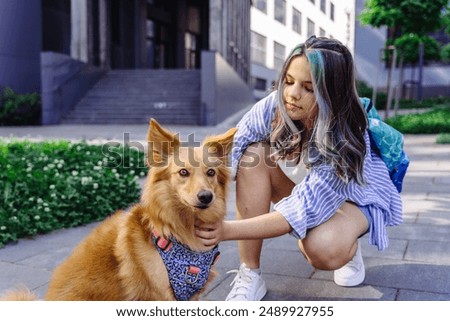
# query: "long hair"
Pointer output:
{"type": "Point", "coordinates": [337, 137]}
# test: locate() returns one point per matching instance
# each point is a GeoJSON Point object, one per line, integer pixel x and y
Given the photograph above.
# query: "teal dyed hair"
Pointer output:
{"type": "Point", "coordinates": [337, 137]}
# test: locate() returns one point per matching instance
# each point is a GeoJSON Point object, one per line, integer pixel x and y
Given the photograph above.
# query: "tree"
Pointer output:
{"type": "Point", "coordinates": [405, 17]}
{"type": "Point", "coordinates": [408, 43]}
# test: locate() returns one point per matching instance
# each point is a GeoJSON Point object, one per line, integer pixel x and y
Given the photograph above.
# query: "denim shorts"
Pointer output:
{"type": "Point", "coordinates": [365, 210]}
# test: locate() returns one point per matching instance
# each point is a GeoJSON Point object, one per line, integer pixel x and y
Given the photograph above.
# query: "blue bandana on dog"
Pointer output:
{"type": "Point", "coordinates": [188, 270]}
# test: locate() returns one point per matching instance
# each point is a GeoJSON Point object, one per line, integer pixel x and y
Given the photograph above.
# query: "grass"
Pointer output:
{"type": "Point", "coordinates": [58, 184]}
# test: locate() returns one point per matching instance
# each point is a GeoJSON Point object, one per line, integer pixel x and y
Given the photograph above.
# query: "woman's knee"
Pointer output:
{"type": "Point", "coordinates": [326, 251]}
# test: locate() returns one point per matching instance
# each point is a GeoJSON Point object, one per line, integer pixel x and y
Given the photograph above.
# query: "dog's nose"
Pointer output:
{"type": "Point", "coordinates": [205, 197]}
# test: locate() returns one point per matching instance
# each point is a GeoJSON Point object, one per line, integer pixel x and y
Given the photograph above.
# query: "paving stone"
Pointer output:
{"type": "Point", "coordinates": [429, 252]}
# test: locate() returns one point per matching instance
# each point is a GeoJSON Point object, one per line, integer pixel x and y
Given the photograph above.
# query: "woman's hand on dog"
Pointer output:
{"type": "Point", "coordinates": [209, 234]}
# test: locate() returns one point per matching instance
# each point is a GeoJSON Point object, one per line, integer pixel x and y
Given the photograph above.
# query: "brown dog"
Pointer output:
{"type": "Point", "coordinates": [123, 258]}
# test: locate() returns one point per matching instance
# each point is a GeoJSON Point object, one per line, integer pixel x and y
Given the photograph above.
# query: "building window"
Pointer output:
{"type": "Point", "coordinates": [297, 21]}
{"type": "Point", "coordinates": [279, 54]}
{"type": "Point", "coordinates": [321, 32]}
{"type": "Point", "coordinates": [332, 11]}
{"type": "Point", "coordinates": [323, 5]}
{"type": "Point", "coordinates": [259, 84]}
{"type": "Point", "coordinates": [261, 5]}
{"type": "Point", "coordinates": [280, 11]}
{"type": "Point", "coordinates": [311, 28]}
{"type": "Point", "coordinates": [258, 48]}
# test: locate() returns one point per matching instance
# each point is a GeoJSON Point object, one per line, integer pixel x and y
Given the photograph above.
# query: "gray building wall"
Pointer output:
{"type": "Point", "coordinates": [223, 92]}
{"type": "Point", "coordinates": [229, 33]}
{"type": "Point", "coordinates": [20, 45]}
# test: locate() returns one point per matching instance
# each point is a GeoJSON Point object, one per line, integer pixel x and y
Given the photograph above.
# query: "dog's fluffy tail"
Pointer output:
{"type": "Point", "coordinates": [18, 294]}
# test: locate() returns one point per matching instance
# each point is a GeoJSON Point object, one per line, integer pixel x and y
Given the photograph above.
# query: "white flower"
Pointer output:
{"type": "Point", "coordinates": [97, 168]}
{"type": "Point", "coordinates": [95, 185]}
{"type": "Point", "coordinates": [46, 209]}
{"type": "Point", "coordinates": [37, 217]}
{"type": "Point", "coordinates": [2, 228]}
{"type": "Point", "coordinates": [52, 186]}
{"type": "Point", "coordinates": [85, 180]}
{"type": "Point", "coordinates": [39, 200]}
{"type": "Point", "coordinates": [74, 173]}
{"type": "Point", "coordinates": [114, 170]}
{"type": "Point", "coordinates": [132, 172]}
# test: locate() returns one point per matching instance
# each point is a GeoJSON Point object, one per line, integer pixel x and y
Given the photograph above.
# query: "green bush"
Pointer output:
{"type": "Point", "coordinates": [425, 103]}
{"type": "Point", "coordinates": [366, 91]}
{"type": "Point", "coordinates": [443, 138]}
{"type": "Point", "coordinates": [434, 121]}
{"type": "Point", "coordinates": [51, 185]}
{"type": "Point", "coordinates": [445, 53]}
{"type": "Point", "coordinates": [19, 109]}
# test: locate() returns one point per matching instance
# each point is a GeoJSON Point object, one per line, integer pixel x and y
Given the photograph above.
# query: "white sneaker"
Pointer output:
{"type": "Point", "coordinates": [353, 273]}
{"type": "Point", "coordinates": [248, 285]}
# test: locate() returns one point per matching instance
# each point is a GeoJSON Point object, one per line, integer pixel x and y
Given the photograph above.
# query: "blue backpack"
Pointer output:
{"type": "Point", "coordinates": [387, 142]}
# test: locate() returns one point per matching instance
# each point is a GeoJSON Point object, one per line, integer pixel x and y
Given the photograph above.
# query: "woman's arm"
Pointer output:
{"type": "Point", "coordinates": [260, 227]}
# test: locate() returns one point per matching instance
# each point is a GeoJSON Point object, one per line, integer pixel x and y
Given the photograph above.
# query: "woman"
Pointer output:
{"type": "Point", "coordinates": [306, 149]}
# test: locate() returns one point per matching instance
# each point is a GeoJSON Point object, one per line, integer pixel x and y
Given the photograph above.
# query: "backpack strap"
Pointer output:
{"type": "Point", "coordinates": [369, 106]}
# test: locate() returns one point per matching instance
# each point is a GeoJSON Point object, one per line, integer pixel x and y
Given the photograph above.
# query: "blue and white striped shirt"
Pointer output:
{"type": "Point", "coordinates": [322, 192]}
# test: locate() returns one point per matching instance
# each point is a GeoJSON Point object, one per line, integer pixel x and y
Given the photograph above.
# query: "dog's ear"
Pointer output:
{"type": "Point", "coordinates": [220, 145]}
{"type": "Point", "coordinates": [161, 143]}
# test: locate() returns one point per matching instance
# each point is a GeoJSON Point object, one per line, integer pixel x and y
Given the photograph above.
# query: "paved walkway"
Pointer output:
{"type": "Point", "coordinates": [416, 266]}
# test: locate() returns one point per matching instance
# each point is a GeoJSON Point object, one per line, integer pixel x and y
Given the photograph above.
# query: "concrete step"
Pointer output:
{"type": "Point", "coordinates": [134, 96]}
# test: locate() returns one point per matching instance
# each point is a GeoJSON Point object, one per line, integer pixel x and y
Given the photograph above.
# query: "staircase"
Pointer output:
{"type": "Point", "coordinates": [134, 96]}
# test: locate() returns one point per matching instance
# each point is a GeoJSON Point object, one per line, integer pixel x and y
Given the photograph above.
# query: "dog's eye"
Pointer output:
{"type": "Point", "coordinates": [211, 172]}
{"type": "Point", "coordinates": [184, 172]}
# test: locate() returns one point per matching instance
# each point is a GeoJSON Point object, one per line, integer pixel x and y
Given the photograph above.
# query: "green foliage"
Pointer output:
{"type": "Point", "coordinates": [424, 103]}
{"type": "Point", "coordinates": [366, 91]}
{"type": "Point", "coordinates": [446, 20]}
{"type": "Point", "coordinates": [432, 122]}
{"type": "Point", "coordinates": [445, 53]}
{"type": "Point", "coordinates": [443, 138]}
{"type": "Point", "coordinates": [17, 109]}
{"type": "Point", "coordinates": [408, 47]}
{"type": "Point", "coordinates": [412, 16]}
{"type": "Point", "coordinates": [50, 185]}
